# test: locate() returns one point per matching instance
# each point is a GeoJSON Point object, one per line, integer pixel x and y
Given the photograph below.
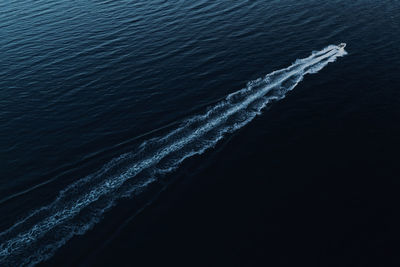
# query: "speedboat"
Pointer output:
{"type": "Point", "coordinates": [342, 45]}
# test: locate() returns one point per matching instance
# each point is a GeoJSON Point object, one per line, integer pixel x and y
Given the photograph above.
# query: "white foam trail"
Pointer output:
{"type": "Point", "coordinates": [80, 205]}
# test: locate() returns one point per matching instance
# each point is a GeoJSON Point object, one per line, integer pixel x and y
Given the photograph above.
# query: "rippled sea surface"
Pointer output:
{"type": "Point", "coordinates": [107, 105]}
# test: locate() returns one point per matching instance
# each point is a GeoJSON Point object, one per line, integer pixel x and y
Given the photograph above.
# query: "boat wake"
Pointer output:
{"type": "Point", "coordinates": [81, 205]}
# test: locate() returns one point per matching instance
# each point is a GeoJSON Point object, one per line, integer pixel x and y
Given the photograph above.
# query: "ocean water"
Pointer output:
{"type": "Point", "coordinates": [112, 111]}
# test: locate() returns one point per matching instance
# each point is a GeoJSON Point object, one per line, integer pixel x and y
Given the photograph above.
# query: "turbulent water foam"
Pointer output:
{"type": "Point", "coordinates": [80, 205]}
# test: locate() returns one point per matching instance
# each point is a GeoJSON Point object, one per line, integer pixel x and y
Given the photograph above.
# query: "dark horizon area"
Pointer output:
{"type": "Point", "coordinates": [202, 133]}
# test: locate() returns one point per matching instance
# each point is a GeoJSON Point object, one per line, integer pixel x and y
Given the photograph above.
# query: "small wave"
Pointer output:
{"type": "Point", "coordinates": [37, 236]}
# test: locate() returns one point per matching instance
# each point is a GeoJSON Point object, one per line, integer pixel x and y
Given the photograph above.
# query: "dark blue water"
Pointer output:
{"type": "Point", "coordinates": [105, 104]}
